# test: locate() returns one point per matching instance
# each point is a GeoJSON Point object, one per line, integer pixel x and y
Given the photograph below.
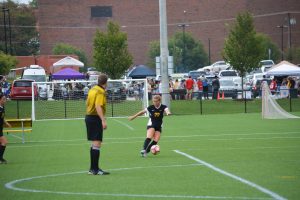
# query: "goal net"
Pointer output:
{"type": "Point", "coordinates": [67, 99]}
{"type": "Point", "coordinates": [270, 108]}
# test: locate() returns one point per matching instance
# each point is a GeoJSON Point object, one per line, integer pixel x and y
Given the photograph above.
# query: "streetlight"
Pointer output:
{"type": "Point", "coordinates": [183, 25]}
{"type": "Point", "coordinates": [6, 10]}
{"type": "Point", "coordinates": [282, 27]}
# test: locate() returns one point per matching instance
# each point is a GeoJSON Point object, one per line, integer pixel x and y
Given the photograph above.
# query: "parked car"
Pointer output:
{"type": "Point", "coordinates": [195, 74]}
{"type": "Point", "coordinates": [22, 89]}
{"type": "Point", "coordinates": [229, 87]}
{"type": "Point", "coordinates": [266, 65]}
{"type": "Point", "coordinates": [217, 66]}
{"type": "Point", "coordinates": [256, 87]}
{"type": "Point", "coordinates": [228, 73]}
{"type": "Point", "coordinates": [115, 91]}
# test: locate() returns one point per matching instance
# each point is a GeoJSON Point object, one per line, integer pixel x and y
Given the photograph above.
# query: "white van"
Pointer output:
{"type": "Point", "coordinates": [38, 74]}
{"type": "Point", "coordinates": [35, 72]}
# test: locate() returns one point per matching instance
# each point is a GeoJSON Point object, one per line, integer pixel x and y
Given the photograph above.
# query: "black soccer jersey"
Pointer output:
{"type": "Point", "coordinates": [156, 115]}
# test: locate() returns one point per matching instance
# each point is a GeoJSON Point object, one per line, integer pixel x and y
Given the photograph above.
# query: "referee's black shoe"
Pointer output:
{"type": "Point", "coordinates": [3, 161]}
{"type": "Point", "coordinates": [99, 172]}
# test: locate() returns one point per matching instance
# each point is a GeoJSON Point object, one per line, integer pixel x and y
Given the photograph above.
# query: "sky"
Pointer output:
{"type": "Point", "coordinates": [22, 1]}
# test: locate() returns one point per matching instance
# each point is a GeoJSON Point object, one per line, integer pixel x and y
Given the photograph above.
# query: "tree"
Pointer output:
{"type": "Point", "coordinates": [66, 49]}
{"type": "Point", "coordinates": [7, 62]}
{"type": "Point", "coordinates": [111, 55]}
{"type": "Point", "coordinates": [293, 55]}
{"type": "Point", "coordinates": [195, 55]}
{"type": "Point", "coordinates": [24, 36]}
{"type": "Point", "coordinates": [243, 49]}
{"type": "Point", "coordinates": [268, 45]}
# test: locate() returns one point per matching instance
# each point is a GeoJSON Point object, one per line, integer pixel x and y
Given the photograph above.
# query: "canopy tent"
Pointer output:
{"type": "Point", "coordinates": [68, 61]}
{"type": "Point", "coordinates": [67, 73]}
{"type": "Point", "coordinates": [284, 68]}
{"type": "Point", "coordinates": [141, 71]}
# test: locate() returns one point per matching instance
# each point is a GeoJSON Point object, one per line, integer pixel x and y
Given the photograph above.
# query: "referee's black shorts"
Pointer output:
{"type": "Point", "coordinates": [94, 127]}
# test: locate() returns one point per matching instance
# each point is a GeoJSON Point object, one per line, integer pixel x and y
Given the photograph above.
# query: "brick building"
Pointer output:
{"type": "Point", "coordinates": [75, 21]}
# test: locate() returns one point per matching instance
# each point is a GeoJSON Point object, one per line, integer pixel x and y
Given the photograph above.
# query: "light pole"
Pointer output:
{"type": "Point", "coordinates": [6, 10]}
{"type": "Point", "coordinates": [282, 27]}
{"type": "Point", "coordinates": [183, 40]}
{"type": "Point", "coordinates": [4, 25]}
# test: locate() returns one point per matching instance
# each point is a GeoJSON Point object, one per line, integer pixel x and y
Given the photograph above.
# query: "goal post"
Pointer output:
{"type": "Point", "coordinates": [270, 108]}
{"type": "Point", "coordinates": [67, 99]}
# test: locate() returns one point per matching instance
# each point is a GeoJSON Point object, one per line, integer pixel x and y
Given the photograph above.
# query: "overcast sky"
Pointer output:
{"type": "Point", "coordinates": [22, 1]}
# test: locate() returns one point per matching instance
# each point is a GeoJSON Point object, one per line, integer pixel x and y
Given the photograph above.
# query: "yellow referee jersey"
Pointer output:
{"type": "Point", "coordinates": [96, 96]}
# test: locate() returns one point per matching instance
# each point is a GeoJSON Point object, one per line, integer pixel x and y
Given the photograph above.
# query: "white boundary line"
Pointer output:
{"type": "Point", "coordinates": [262, 189]}
{"type": "Point", "coordinates": [124, 124]}
{"type": "Point", "coordinates": [11, 185]}
{"type": "Point", "coordinates": [167, 136]}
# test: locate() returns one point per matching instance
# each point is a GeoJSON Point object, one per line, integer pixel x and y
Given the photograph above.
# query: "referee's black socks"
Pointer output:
{"type": "Point", "coordinates": [95, 155]}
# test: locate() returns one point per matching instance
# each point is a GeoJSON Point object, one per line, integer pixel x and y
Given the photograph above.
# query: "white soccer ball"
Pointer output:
{"type": "Point", "coordinates": [155, 149]}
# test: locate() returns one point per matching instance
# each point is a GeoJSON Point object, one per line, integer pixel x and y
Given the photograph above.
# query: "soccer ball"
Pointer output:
{"type": "Point", "coordinates": [155, 149]}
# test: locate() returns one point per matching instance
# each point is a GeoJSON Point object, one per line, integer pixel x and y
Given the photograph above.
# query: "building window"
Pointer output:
{"type": "Point", "coordinates": [101, 11]}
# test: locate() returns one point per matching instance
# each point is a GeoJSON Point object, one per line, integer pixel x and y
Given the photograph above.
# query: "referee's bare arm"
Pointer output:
{"type": "Point", "coordinates": [101, 115]}
{"type": "Point", "coordinates": [136, 115]}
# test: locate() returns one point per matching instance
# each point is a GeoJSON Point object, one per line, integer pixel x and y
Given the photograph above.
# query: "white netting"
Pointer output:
{"type": "Point", "coordinates": [66, 99]}
{"type": "Point", "coordinates": [270, 108]}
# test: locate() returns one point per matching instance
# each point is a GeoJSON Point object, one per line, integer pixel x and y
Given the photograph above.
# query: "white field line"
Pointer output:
{"type": "Point", "coordinates": [260, 188]}
{"type": "Point", "coordinates": [139, 141]}
{"type": "Point", "coordinates": [165, 136]}
{"type": "Point", "coordinates": [11, 185]}
{"type": "Point", "coordinates": [124, 124]}
{"type": "Point", "coordinates": [11, 134]}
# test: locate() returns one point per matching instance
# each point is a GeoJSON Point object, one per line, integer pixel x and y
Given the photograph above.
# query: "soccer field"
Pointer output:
{"type": "Point", "coordinates": [228, 156]}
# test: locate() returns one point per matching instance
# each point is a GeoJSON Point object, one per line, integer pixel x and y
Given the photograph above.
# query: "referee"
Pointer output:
{"type": "Point", "coordinates": [95, 122]}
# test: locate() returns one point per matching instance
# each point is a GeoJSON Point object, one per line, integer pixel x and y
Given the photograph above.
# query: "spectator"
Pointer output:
{"type": "Point", "coordinates": [273, 86]}
{"type": "Point", "coordinates": [189, 85]}
{"type": "Point", "coordinates": [205, 87]}
{"type": "Point", "coordinates": [215, 86]}
{"type": "Point", "coordinates": [200, 87]}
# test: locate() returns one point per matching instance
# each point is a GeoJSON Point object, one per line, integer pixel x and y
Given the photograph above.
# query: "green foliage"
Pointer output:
{"type": "Point", "coordinates": [7, 62]}
{"type": "Point", "coordinates": [195, 55]}
{"type": "Point", "coordinates": [268, 44]}
{"type": "Point", "coordinates": [293, 55]}
{"type": "Point", "coordinates": [66, 49]}
{"type": "Point", "coordinates": [243, 49]}
{"type": "Point", "coordinates": [111, 55]}
{"type": "Point", "coordinates": [24, 36]}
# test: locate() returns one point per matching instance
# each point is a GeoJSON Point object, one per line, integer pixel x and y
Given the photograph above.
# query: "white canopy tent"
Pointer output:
{"type": "Point", "coordinates": [284, 68]}
{"type": "Point", "coordinates": [68, 61]}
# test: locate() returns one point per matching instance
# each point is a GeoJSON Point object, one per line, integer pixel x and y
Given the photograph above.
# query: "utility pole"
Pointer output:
{"type": "Point", "coordinates": [164, 53]}
{"type": "Point", "coordinates": [282, 27]}
{"type": "Point", "coordinates": [183, 26]}
{"type": "Point", "coordinates": [4, 25]}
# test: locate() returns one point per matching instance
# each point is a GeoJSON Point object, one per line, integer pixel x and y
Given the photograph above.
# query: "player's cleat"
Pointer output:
{"type": "Point", "coordinates": [99, 172]}
{"type": "Point", "coordinates": [143, 153]}
{"type": "Point", "coordinates": [3, 161]}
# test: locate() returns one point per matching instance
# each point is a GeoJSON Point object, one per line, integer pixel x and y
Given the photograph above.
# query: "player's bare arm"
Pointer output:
{"type": "Point", "coordinates": [101, 115]}
{"type": "Point", "coordinates": [142, 112]}
{"type": "Point", "coordinates": [7, 124]}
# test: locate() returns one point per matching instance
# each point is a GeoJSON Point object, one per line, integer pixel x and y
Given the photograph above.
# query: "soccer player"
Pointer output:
{"type": "Point", "coordinates": [95, 122]}
{"type": "Point", "coordinates": [3, 140]}
{"type": "Point", "coordinates": [154, 126]}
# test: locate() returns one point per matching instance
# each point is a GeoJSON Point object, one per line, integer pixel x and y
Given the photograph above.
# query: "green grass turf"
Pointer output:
{"type": "Point", "coordinates": [265, 152]}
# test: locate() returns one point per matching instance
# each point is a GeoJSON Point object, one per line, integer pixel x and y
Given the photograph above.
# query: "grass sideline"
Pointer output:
{"type": "Point", "coordinates": [264, 152]}
{"type": "Point", "coordinates": [76, 108]}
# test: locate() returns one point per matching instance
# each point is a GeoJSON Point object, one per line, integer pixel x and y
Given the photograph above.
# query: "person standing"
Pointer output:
{"type": "Point", "coordinates": [189, 85]}
{"type": "Point", "coordinates": [154, 126]}
{"type": "Point", "coordinates": [215, 86]}
{"type": "Point", "coordinates": [96, 123]}
{"type": "Point", "coordinates": [3, 140]}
